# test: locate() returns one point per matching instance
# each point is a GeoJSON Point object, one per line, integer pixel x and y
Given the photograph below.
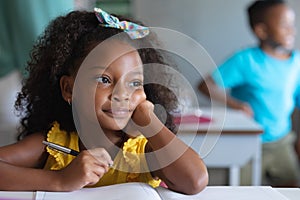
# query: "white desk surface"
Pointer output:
{"type": "Point", "coordinates": [290, 193]}
{"type": "Point", "coordinates": [237, 193]}
{"type": "Point", "coordinates": [211, 192]}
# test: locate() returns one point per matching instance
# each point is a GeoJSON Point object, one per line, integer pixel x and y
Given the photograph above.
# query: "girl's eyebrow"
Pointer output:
{"type": "Point", "coordinates": [97, 67]}
{"type": "Point", "coordinates": [135, 71]}
{"type": "Point", "coordinates": [138, 72]}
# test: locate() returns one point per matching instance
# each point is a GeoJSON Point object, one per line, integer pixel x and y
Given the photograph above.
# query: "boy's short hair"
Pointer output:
{"type": "Point", "coordinates": [257, 10]}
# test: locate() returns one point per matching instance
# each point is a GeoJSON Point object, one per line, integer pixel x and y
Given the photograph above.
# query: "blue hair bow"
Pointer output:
{"type": "Point", "coordinates": [134, 30]}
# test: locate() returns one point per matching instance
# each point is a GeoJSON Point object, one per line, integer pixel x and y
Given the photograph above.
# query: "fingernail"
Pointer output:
{"type": "Point", "coordinates": [110, 164]}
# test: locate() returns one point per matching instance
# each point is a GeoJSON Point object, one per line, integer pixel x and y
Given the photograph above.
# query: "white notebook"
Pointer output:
{"type": "Point", "coordinates": [146, 192]}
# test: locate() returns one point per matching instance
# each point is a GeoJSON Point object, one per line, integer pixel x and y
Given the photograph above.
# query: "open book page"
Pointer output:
{"type": "Point", "coordinates": [120, 191]}
{"type": "Point", "coordinates": [16, 195]}
{"type": "Point", "coordinates": [291, 193]}
{"type": "Point", "coordinates": [219, 192]}
{"type": "Point", "coordinates": [145, 192]}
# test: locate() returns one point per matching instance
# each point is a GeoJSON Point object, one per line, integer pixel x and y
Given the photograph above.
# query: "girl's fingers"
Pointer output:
{"type": "Point", "coordinates": [99, 171]}
{"type": "Point", "coordinates": [102, 156]}
{"type": "Point", "coordinates": [102, 166]}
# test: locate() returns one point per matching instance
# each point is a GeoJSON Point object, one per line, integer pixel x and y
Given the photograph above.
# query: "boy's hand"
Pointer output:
{"type": "Point", "coordinates": [245, 107]}
{"type": "Point", "coordinates": [86, 169]}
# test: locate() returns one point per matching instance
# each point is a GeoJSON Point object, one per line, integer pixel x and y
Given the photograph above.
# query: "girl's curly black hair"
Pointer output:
{"type": "Point", "coordinates": [60, 51]}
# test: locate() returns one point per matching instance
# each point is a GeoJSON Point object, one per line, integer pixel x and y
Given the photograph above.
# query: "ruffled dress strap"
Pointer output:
{"type": "Point", "coordinates": [56, 159]}
{"type": "Point", "coordinates": [134, 155]}
{"type": "Point", "coordinates": [130, 165]}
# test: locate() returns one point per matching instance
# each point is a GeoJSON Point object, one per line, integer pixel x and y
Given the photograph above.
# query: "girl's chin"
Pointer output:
{"type": "Point", "coordinates": [115, 125]}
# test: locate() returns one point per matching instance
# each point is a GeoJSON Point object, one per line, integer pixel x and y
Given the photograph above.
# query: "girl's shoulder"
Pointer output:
{"type": "Point", "coordinates": [296, 53]}
{"type": "Point", "coordinates": [58, 160]}
{"type": "Point", "coordinates": [59, 136]}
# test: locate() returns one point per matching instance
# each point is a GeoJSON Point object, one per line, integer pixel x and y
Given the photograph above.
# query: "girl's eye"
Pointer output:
{"type": "Point", "coordinates": [136, 84]}
{"type": "Point", "coordinates": [103, 80]}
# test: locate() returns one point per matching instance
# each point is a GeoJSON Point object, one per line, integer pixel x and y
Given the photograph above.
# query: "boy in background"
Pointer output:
{"type": "Point", "coordinates": [264, 82]}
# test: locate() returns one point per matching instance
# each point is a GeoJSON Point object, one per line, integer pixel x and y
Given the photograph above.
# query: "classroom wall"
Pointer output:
{"type": "Point", "coordinates": [295, 4]}
{"type": "Point", "coordinates": [220, 26]}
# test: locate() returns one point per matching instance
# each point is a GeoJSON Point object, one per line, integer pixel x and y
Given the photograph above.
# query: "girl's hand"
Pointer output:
{"type": "Point", "coordinates": [86, 169]}
{"type": "Point", "coordinates": [143, 113]}
{"type": "Point", "coordinates": [144, 119]}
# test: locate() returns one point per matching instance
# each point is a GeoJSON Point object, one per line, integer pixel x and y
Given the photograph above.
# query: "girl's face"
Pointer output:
{"type": "Point", "coordinates": [119, 88]}
{"type": "Point", "coordinates": [280, 26]}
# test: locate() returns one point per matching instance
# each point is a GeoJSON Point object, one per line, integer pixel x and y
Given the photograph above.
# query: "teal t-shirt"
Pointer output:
{"type": "Point", "coordinates": [270, 86]}
{"type": "Point", "coordinates": [21, 22]}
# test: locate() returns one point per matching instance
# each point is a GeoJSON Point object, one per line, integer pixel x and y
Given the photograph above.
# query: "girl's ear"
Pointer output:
{"type": "Point", "coordinates": [260, 31]}
{"type": "Point", "coordinates": [66, 86]}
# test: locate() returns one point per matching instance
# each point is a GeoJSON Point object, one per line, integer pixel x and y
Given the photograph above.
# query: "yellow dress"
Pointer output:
{"type": "Point", "coordinates": [130, 159]}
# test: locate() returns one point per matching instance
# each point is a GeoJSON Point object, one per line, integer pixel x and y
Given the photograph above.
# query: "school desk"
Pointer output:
{"type": "Point", "coordinates": [146, 192]}
{"type": "Point", "coordinates": [229, 140]}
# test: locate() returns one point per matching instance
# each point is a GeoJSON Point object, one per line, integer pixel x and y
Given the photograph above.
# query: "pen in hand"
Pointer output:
{"type": "Point", "coordinates": [64, 149]}
{"type": "Point", "coordinates": [61, 148]}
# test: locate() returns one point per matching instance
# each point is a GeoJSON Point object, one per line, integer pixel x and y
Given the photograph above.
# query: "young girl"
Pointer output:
{"type": "Point", "coordinates": [112, 93]}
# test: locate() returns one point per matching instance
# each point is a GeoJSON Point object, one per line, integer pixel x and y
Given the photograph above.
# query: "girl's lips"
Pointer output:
{"type": "Point", "coordinates": [118, 112]}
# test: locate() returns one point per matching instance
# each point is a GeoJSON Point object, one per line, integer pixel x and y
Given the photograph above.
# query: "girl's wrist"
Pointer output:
{"type": "Point", "coordinates": [57, 181]}
{"type": "Point", "coordinates": [52, 181]}
{"type": "Point", "coordinates": [152, 127]}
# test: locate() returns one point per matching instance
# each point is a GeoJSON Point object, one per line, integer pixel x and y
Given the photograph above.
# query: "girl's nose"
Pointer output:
{"type": "Point", "coordinates": [120, 93]}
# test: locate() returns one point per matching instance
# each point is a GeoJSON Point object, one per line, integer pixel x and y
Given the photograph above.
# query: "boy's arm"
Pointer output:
{"type": "Point", "coordinates": [212, 90]}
